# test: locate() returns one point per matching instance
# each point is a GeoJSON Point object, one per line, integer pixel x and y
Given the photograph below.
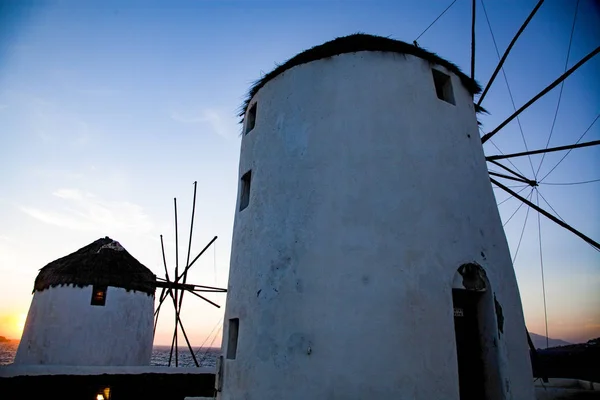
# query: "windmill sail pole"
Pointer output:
{"type": "Point", "coordinates": [176, 289]}
{"type": "Point", "coordinates": [162, 246]}
{"type": "Point", "coordinates": [176, 274]}
{"type": "Point", "coordinates": [174, 341]}
{"type": "Point", "coordinates": [473, 40]}
{"type": "Point", "coordinates": [541, 151]}
{"type": "Point", "coordinates": [205, 299]}
{"type": "Point", "coordinates": [187, 341]}
{"type": "Point", "coordinates": [197, 257]}
{"type": "Point", "coordinates": [547, 214]}
{"type": "Point", "coordinates": [512, 178]}
{"type": "Point", "coordinates": [187, 263]}
{"type": "Point", "coordinates": [504, 167]}
{"type": "Point", "coordinates": [510, 46]}
{"type": "Point", "coordinates": [558, 80]}
{"type": "Point", "coordinates": [157, 311]}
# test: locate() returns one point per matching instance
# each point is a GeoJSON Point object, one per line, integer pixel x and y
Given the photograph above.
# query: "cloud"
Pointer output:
{"type": "Point", "coordinates": [82, 211]}
{"type": "Point", "coordinates": [72, 194]}
{"type": "Point", "coordinates": [52, 123]}
{"type": "Point", "coordinates": [215, 119]}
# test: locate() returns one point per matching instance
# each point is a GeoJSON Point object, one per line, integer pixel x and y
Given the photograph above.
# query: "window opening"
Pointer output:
{"type": "Point", "coordinates": [98, 295]}
{"type": "Point", "coordinates": [234, 327]}
{"type": "Point", "coordinates": [245, 190]}
{"type": "Point", "coordinates": [443, 86]}
{"type": "Point", "coordinates": [251, 119]}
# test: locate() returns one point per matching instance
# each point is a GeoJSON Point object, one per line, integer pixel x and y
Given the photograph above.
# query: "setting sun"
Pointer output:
{"type": "Point", "coordinates": [20, 323]}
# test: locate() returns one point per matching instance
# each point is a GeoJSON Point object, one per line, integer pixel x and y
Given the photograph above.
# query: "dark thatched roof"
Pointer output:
{"type": "Point", "coordinates": [103, 262]}
{"type": "Point", "coordinates": [351, 44]}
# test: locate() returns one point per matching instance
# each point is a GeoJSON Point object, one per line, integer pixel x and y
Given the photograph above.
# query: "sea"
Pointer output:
{"type": "Point", "coordinates": [206, 357]}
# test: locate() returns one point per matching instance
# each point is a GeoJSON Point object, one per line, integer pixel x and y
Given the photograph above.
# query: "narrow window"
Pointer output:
{"type": "Point", "coordinates": [98, 295]}
{"type": "Point", "coordinates": [443, 86]}
{"type": "Point", "coordinates": [234, 327]}
{"type": "Point", "coordinates": [245, 190]}
{"type": "Point", "coordinates": [251, 118]}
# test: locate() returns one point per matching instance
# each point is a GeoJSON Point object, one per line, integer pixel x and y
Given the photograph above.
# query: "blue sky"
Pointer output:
{"type": "Point", "coordinates": [108, 111]}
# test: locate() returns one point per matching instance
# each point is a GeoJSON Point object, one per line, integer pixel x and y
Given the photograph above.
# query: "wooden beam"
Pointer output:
{"type": "Point", "coordinates": [504, 167]}
{"type": "Point", "coordinates": [474, 2]}
{"type": "Point", "coordinates": [205, 299]}
{"type": "Point", "coordinates": [512, 178]}
{"type": "Point", "coordinates": [197, 257]}
{"type": "Point", "coordinates": [175, 285]}
{"type": "Point", "coordinates": [510, 46]}
{"type": "Point", "coordinates": [561, 78]}
{"type": "Point", "coordinates": [547, 214]}
{"type": "Point", "coordinates": [547, 150]}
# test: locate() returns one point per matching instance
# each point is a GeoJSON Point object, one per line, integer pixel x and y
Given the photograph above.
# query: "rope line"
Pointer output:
{"type": "Point", "coordinates": [570, 183]}
{"type": "Point", "coordinates": [208, 336]}
{"type": "Point", "coordinates": [513, 214]}
{"type": "Point", "coordinates": [211, 343]}
{"type": "Point", "coordinates": [567, 153]}
{"type": "Point", "coordinates": [562, 84]}
{"type": "Point", "coordinates": [542, 268]}
{"type": "Point", "coordinates": [522, 230]}
{"type": "Point", "coordinates": [508, 159]}
{"type": "Point", "coordinates": [435, 20]}
{"type": "Point", "coordinates": [511, 197]}
{"type": "Point", "coordinates": [559, 217]}
{"type": "Point", "coordinates": [549, 205]}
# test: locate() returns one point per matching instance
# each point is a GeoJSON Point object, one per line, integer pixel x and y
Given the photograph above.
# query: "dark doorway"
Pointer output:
{"type": "Point", "coordinates": [468, 344]}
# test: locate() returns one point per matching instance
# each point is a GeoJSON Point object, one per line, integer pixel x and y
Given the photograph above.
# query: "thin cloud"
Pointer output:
{"type": "Point", "coordinates": [99, 92]}
{"type": "Point", "coordinates": [82, 211]}
{"type": "Point", "coordinates": [52, 123]}
{"type": "Point", "coordinates": [215, 119]}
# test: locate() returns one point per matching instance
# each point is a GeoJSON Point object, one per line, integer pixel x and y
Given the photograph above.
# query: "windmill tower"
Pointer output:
{"type": "Point", "coordinates": [95, 307]}
{"type": "Point", "coordinates": [368, 257]}
{"type": "Point", "coordinates": [92, 307]}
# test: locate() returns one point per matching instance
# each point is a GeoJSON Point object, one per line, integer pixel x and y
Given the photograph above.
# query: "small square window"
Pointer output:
{"type": "Point", "coordinates": [251, 119]}
{"type": "Point", "coordinates": [98, 295]}
{"type": "Point", "coordinates": [232, 341]}
{"type": "Point", "coordinates": [443, 86]}
{"type": "Point", "coordinates": [245, 190]}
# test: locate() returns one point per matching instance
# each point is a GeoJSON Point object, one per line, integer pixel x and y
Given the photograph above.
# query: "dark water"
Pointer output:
{"type": "Point", "coordinates": [160, 355]}
{"type": "Point", "coordinates": [205, 357]}
{"type": "Point", "coordinates": [7, 352]}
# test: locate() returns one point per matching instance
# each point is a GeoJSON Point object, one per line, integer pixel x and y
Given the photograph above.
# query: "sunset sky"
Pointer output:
{"type": "Point", "coordinates": [108, 111]}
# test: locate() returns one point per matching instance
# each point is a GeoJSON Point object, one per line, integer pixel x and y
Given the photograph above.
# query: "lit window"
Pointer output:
{"type": "Point", "coordinates": [443, 86]}
{"type": "Point", "coordinates": [245, 190]}
{"type": "Point", "coordinates": [251, 119]}
{"type": "Point", "coordinates": [98, 295]}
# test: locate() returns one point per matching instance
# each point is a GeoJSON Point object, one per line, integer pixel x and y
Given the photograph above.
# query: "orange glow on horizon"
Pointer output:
{"type": "Point", "coordinates": [11, 325]}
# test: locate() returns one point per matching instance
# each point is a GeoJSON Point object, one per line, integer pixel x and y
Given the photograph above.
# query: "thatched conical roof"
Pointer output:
{"type": "Point", "coordinates": [352, 44]}
{"type": "Point", "coordinates": [104, 262]}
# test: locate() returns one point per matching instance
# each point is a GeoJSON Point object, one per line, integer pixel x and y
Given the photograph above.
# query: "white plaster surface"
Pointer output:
{"type": "Point", "coordinates": [368, 192]}
{"type": "Point", "coordinates": [62, 327]}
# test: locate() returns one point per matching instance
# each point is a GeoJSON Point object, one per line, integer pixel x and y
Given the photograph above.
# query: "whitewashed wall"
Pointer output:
{"type": "Point", "coordinates": [63, 328]}
{"type": "Point", "coordinates": [368, 192]}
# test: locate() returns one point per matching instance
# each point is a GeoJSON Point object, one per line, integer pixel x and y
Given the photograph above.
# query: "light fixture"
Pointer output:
{"type": "Point", "coordinates": [104, 394]}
